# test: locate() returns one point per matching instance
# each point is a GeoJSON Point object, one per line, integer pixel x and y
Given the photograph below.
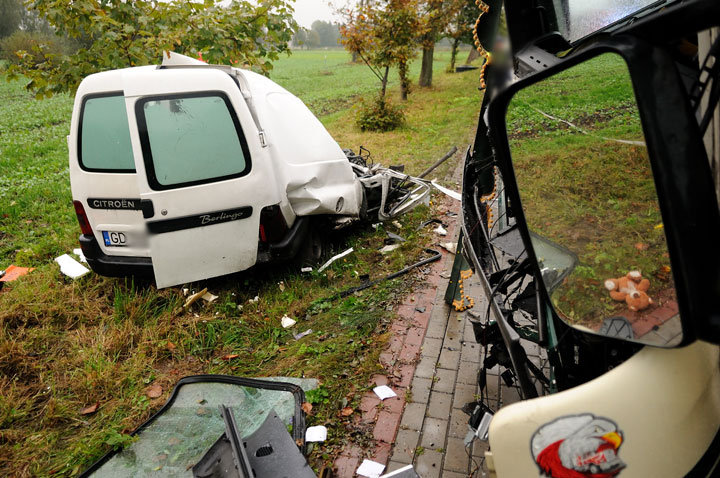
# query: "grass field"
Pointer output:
{"type": "Point", "coordinates": [65, 345]}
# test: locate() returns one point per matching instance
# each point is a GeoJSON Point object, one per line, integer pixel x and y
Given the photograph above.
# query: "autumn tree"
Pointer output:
{"type": "Point", "coordinates": [460, 28]}
{"type": "Point", "coordinates": [435, 15]}
{"type": "Point", "coordinates": [121, 33]}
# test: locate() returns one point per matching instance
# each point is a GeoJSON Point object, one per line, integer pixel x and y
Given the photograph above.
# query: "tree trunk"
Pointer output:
{"type": "Point", "coordinates": [384, 82]}
{"type": "Point", "coordinates": [453, 53]}
{"type": "Point", "coordinates": [427, 64]}
{"type": "Point", "coordinates": [354, 57]}
{"type": "Point", "coordinates": [404, 80]}
{"type": "Point", "coordinates": [472, 56]}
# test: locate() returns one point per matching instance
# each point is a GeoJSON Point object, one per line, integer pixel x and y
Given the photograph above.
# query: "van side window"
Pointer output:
{"type": "Point", "coordinates": [104, 139]}
{"type": "Point", "coordinates": [191, 139]}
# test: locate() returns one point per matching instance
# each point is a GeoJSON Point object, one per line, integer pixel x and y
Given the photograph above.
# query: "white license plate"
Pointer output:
{"type": "Point", "coordinates": [115, 239]}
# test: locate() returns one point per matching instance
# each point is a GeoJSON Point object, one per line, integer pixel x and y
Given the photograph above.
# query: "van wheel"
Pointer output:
{"type": "Point", "coordinates": [313, 249]}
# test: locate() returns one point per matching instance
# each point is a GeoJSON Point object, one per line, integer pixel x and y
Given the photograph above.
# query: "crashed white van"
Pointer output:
{"type": "Point", "coordinates": [191, 171]}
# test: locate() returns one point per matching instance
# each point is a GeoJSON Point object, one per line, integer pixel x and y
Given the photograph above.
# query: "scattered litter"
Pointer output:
{"type": "Point", "coordinates": [281, 285]}
{"type": "Point", "coordinates": [209, 297]}
{"type": "Point", "coordinates": [194, 298]}
{"type": "Point", "coordinates": [78, 252]}
{"type": "Point", "coordinates": [397, 224]}
{"type": "Point", "coordinates": [376, 225]}
{"type": "Point", "coordinates": [455, 195]}
{"type": "Point", "coordinates": [254, 300]}
{"type": "Point", "coordinates": [302, 334]}
{"type": "Point", "coordinates": [306, 269]}
{"type": "Point", "coordinates": [240, 307]}
{"type": "Point", "coordinates": [430, 221]}
{"type": "Point", "coordinates": [370, 469]}
{"type": "Point", "coordinates": [318, 433]}
{"type": "Point", "coordinates": [185, 291]}
{"type": "Point", "coordinates": [420, 309]}
{"type": "Point", "coordinates": [287, 322]}
{"type": "Point", "coordinates": [13, 272]}
{"type": "Point", "coordinates": [440, 230]}
{"type": "Point", "coordinates": [404, 472]}
{"type": "Point", "coordinates": [334, 258]}
{"type": "Point", "coordinates": [395, 237]}
{"type": "Point", "coordinates": [389, 248]}
{"type": "Point", "coordinates": [449, 246]}
{"type": "Point", "coordinates": [445, 274]}
{"type": "Point", "coordinates": [383, 392]}
{"type": "Point", "coordinates": [70, 267]}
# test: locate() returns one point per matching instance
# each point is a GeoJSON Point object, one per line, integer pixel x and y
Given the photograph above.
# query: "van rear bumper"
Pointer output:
{"type": "Point", "coordinates": [113, 266]}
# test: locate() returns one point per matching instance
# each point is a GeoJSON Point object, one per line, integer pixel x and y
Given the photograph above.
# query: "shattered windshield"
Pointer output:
{"type": "Point", "coordinates": [583, 17]}
{"type": "Point", "coordinates": [176, 440]}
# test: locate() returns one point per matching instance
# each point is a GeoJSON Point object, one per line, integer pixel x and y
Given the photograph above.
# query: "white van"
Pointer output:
{"type": "Point", "coordinates": [190, 171]}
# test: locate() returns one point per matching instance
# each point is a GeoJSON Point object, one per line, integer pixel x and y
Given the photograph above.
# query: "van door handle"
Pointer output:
{"type": "Point", "coordinates": [147, 208]}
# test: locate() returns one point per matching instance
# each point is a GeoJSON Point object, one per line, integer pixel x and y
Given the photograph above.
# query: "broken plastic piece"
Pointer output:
{"type": "Point", "coordinates": [209, 297]}
{"type": "Point", "coordinates": [78, 252]}
{"type": "Point", "coordinates": [287, 322]}
{"type": "Point", "coordinates": [383, 392]}
{"type": "Point", "coordinates": [13, 272]}
{"type": "Point", "coordinates": [70, 267]}
{"type": "Point", "coordinates": [254, 300]}
{"type": "Point", "coordinates": [306, 269]}
{"type": "Point", "coordinates": [404, 472]}
{"type": "Point", "coordinates": [315, 434]}
{"type": "Point", "coordinates": [370, 469]}
{"type": "Point", "coordinates": [334, 258]}
{"type": "Point", "coordinates": [302, 334]}
{"type": "Point", "coordinates": [194, 298]}
{"type": "Point", "coordinates": [389, 248]}
{"type": "Point", "coordinates": [449, 246]}
{"type": "Point", "coordinates": [456, 196]}
{"type": "Point", "coordinates": [440, 230]}
{"type": "Point", "coordinates": [395, 237]}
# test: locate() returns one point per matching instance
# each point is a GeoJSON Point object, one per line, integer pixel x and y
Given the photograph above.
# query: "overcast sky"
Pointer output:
{"type": "Point", "coordinates": [307, 11]}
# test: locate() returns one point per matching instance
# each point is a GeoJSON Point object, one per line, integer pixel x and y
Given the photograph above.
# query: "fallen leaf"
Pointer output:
{"type": "Point", "coordinates": [171, 346]}
{"type": "Point", "coordinates": [346, 412]}
{"type": "Point", "coordinates": [89, 410]}
{"type": "Point", "coordinates": [230, 356]}
{"type": "Point", "coordinates": [641, 246]}
{"type": "Point", "coordinates": [307, 407]}
{"type": "Point", "coordinates": [154, 391]}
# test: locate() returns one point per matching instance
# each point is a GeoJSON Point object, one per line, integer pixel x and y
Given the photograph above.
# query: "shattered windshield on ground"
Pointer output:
{"type": "Point", "coordinates": [179, 437]}
{"type": "Point", "coordinates": [583, 17]}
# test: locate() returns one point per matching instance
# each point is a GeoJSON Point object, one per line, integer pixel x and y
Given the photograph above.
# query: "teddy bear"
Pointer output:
{"type": "Point", "coordinates": [632, 289]}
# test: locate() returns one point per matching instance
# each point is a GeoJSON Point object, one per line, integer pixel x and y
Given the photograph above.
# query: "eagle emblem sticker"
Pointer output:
{"type": "Point", "coordinates": [578, 446]}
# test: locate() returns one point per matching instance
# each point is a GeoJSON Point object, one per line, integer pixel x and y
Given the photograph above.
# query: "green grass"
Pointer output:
{"type": "Point", "coordinates": [591, 195]}
{"type": "Point", "coordinates": [67, 344]}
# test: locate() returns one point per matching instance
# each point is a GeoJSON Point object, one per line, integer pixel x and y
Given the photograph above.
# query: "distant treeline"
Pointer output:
{"type": "Point", "coordinates": [320, 35]}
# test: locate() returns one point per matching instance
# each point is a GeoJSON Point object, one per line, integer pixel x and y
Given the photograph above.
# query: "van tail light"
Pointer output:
{"type": "Point", "coordinates": [82, 218]}
{"type": "Point", "coordinates": [272, 224]}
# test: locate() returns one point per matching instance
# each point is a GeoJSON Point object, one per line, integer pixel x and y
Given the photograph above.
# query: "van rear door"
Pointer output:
{"type": "Point", "coordinates": [202, 173]}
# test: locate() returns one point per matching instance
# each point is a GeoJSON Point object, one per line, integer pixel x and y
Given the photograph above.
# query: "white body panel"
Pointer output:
{"type": "Point", "coordinates": [665, 402]}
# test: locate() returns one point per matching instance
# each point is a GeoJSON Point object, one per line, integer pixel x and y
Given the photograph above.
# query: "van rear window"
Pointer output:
{"type": "Point", "coordinates": [104, 141]}
{"type": "Point", "coordinates": [191, 139]}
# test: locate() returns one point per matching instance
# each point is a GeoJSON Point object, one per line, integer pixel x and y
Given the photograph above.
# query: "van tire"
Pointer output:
{"type": "Point", "coordinates": [313, 248]}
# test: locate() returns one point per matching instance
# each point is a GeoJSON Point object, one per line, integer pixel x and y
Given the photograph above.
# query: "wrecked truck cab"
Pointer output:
{"type": "Point", "coordinates": [189, 171]}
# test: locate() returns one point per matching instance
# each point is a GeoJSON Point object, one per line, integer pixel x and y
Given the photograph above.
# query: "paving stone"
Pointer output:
{"type": "Point", "coordinates": [386, 426]}
{"type": "Point", "coordinates": [458, 424]}
{"type": "Point", "coordinates": [509, 395]}
{"type": "Point", "coordinates": [439, 405]}
{"type": "Point", "coordinates": [345, 466]}
{"type": "Point", "coordinates": [479, 448]}
{"type": "Point", "coordinates": [381, 453]}
{"type": "Point", "coordinates": [425, 368]}
{"type": "Point", "coordinates": [405, 444]}
{"type": "Point", "coordinates": [452, 474]}
{"type": "Point", "coordinates": [415, 335]}
{"type": "Point", "coordinates": [470, 352]}
{"type": "Point", "coordinates": [444, 380]}
{"type": "Point", "coordinates": [431, 348]}
{"type": "Point", "coordinates": [412, 418]}
{"type": "Point", "coordinates": [457, 458]}
{"type": "Point", "coordinates": [463, 394]}
{"type": "Point", "coordinates": [449, 359]}
{"type": "Point", "coordinates": [429, 464]}
{"type": "Point", "coordinates": [433, 433]}
{"type": "Point", "coordinates": [420, 389]}
{"type": "Point", "coordinates": [395, 465]}
{"type": "Point", "coordinates": [467, 375]}
{"type": "Point", "coordinates": [409, 352]}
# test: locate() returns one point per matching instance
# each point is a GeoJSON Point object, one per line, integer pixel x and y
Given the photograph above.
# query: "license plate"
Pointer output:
{"type": "Point", "coordinates": [114, 239]}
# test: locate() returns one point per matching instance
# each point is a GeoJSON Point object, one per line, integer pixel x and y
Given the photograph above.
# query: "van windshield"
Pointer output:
{"type": "Point", "coordinates": [104, 135]}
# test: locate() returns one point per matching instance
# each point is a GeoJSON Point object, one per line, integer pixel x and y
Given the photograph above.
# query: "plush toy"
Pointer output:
{"type": "Point", "coordinates": [632, 289]}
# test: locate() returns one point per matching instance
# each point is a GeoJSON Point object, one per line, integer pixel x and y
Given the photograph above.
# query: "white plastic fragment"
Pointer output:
{"type": "Point", "coordinates": [287, 322]}
{"type": "Point", "coordinates": [440, 230]}
{"type": "Point", "coordinates": [185, 291]}
{"type": "Point", "coordinates": [334, 258]}
{"type": "Point", "coordinates": [404, 472]}
{"type": "Point", "coordinates": [281, 286]}
{"type": "Point", "coordinates": [306, 269]}
{"type": "Point", "coordinates": [389, 248]}
{"type": "Point", "coordinates": [70, 267]}
{"type": "Point", "coordinates": [456, 196]}
{"type": "Point", "coordinates": [370, 469]}
{"type": "Point", "coordinates": [78, 252]}
{"type": "Point", "coordinates": [314, 434]}
{"type": "Point", "coordinates": [209, 297]}
{"type": "Point", "coordinates": [449, 246]}
{"type": "Point", "coordinates": [383, 392]}
{"type": "Point", "coordinates": [254, 300]}
{"type": "Point", "coordinates": [397, 224]}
